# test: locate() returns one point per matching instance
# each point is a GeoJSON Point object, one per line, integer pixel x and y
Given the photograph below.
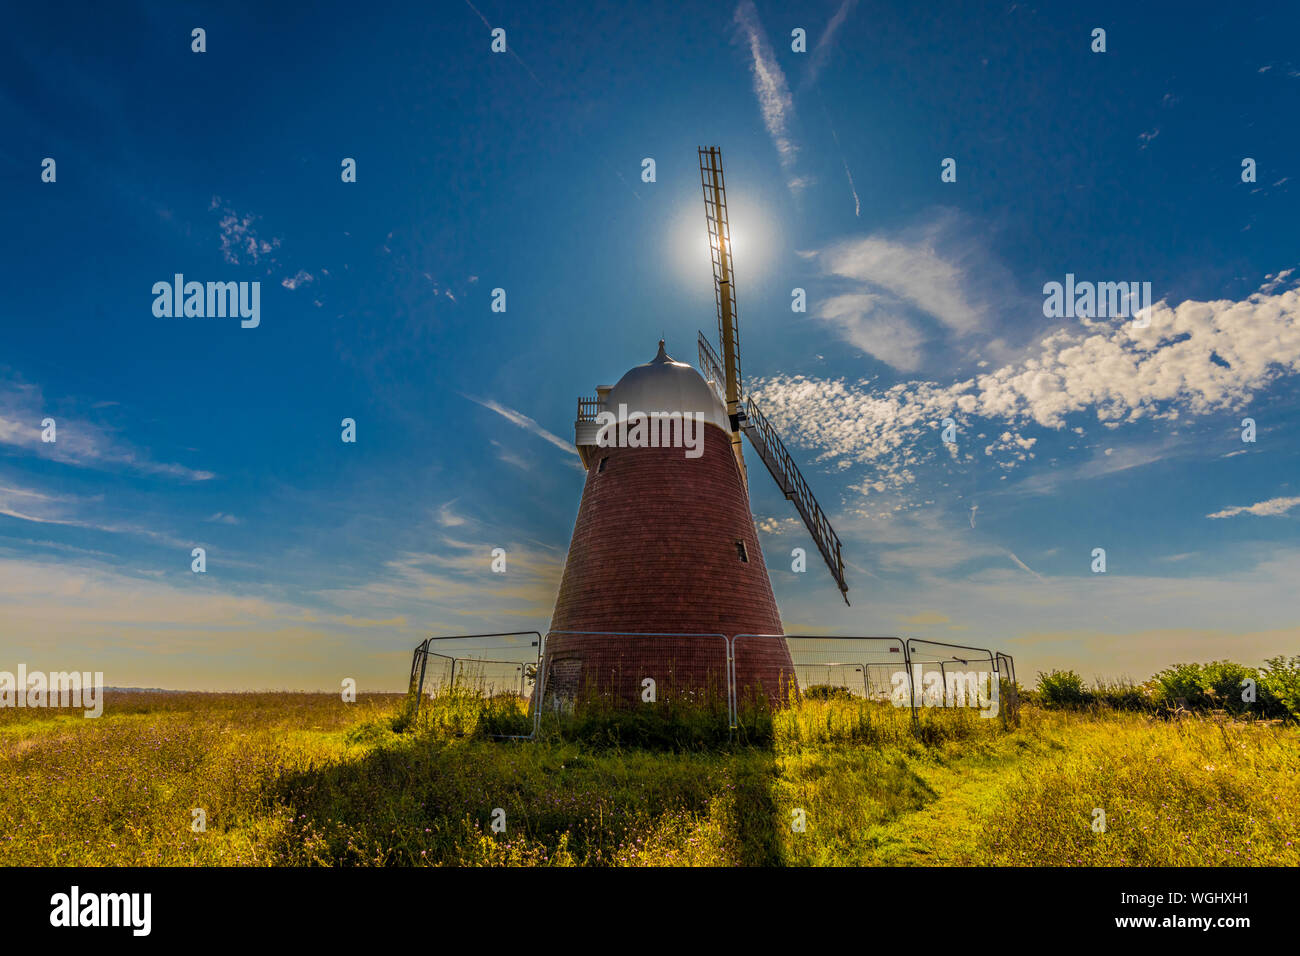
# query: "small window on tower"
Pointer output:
{"type": "Point", "coordinates": [740, 550]}
{"type": "Point", "coordinates": [601, 466]}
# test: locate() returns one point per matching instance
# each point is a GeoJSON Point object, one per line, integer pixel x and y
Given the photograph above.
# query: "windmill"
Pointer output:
{"type": "Point", "coordinates": [664, 567]}
{"type": "Point", "coordinates": [724, 375]}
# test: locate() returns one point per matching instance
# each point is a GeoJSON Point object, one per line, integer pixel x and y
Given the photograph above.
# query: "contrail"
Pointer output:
{"type": "Point", "coordinates": [1026, 567]}
{"type": "Point", "coordinates": [526, 423]}
{"type": "Point", "coordinates": [857, 203]}
{"type": "Point", "coordinates": [509, 49]}
{"type": "Point", "coordinates": [627, 184]}
{"type": "Point", "coordinates": [822, 49]}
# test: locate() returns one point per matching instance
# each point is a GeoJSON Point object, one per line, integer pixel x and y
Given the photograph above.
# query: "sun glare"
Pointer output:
{"type": "Point", "coordinates": [750, 244]}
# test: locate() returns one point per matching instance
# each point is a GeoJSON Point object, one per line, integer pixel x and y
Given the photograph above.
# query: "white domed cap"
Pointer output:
{"type": "Point", "coordinates": [665, 385]}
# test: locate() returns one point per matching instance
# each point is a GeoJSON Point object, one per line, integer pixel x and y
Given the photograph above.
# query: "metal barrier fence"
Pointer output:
{"type": "Point", "coordinates": [860, 666]}
{"type": "Point", "coordinates": [950, 658]}
{"type": "Point", "coordinates": [619, 663]}
{"type": "Point", "coordinates": [551, 673]}
{"type": "Point", "coordinates": [490, 665]}
{"type": "Point", "coordinates": [890, 669]}
{"type": "Point", "coordinates": [951, 662]}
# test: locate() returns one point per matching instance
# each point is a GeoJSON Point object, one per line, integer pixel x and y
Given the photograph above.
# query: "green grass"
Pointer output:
{"type": "Point", "coordinates": [296, 779]}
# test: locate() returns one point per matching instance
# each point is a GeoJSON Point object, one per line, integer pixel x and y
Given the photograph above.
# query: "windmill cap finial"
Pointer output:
{"type": "Point", "coordinates": [664, 386]}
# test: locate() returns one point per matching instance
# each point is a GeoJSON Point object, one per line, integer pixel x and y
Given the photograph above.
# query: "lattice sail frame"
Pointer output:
{"type": "Point", "coordinates": [724, 373]}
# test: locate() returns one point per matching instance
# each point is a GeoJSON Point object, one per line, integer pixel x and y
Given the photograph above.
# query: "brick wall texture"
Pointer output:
{"type": "Point", "coordinates": [654, 549]}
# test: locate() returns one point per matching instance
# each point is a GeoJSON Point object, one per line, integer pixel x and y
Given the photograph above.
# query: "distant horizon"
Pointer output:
{"type": "Point", "coordinates": [1025, 681]}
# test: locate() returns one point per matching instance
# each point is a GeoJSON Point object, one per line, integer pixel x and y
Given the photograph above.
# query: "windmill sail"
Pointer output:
{"type": "Point", "coordinates": [772, 450]}
{"type": "Point", "coordinates": [724, 291]}
{"type": "Point", "coordinates": [724, 375]}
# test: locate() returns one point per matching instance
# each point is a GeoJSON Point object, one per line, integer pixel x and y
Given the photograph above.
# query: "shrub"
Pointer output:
{"type": "Point", "coordinates": [1181, 680]}
{"type": "Point", "coordinates": [1221, 682]}
{"type": "Point", "coordinates": [1280, 685]}
{"type": "Point", "coordinates": [827, 692]}
{"type": "Point", "coordinates": [1062, 689]}
{"type": "Point", "coordinates": [1121, 695]}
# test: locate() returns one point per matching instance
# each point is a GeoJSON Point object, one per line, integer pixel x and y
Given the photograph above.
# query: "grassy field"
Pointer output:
{"type": "Point", "coordinates": [301, 779]}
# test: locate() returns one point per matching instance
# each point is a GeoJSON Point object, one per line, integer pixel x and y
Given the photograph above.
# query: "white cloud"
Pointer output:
{"type": "Point", "coordinates": [1110, 462]}
{"type": "Point", "coordinates": [817, 59]}
{"type": "Point", "coordinates": [898, 296]}
{"type": "Point", "coordinates": [302, 278]}
{"type": "Point", "coordinates": [889, 337]}
{"type": "Point", "coordinates": [1275, 282]}
{"type": "Point", "coordinates": [523, 421]}
{"type": "Point", "coordinates": [455, 582]}
{"type": "Point", "coordinates": [1119, 374]}
{"type": "Point", "coordinates": [448, 518]}
{"type": "Point", "coordinates": [509, 457]}
{"type": "Point", "coordinates": [79, 441]}
{"type": "Point", "coordinates": [911, 270]}
{"type": "Point", "coordinates": [39, 507]}
{"type": "Point", "coordinates": [1127, 373]}
{"type": "Point", "coordinates": [775, 102]}
{"type": "Point", "coordinates": [147, 630]}
{"type": "Point", "coordinates": [239, 241]}
{"type": "Point", "coordinates": [1271, 507]}
{"type": "Point", "coordinates": [1024, 567]}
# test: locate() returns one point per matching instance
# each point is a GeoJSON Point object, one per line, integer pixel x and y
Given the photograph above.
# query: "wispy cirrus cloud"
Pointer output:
{"type": "Point", "coordinates": [825, 43]}
{"type": "Point", "coordinates": [907, 296]}
{"type": "Point", "coordinates": [78, 440]}
{"type": "Point", "coordinates": [182, 636]}
{"type": "Point", "coordinates": [69, 511]}
{"type": "Point", "coordinates": [27, 504]}
{"type": "Point", "coordinates": [775, 101]}
{"type": "Point", "coordinates": [526, 423]}
{"type": "Point", "coordinates": [510, 457]}
{"type": "Point", "coordinates": [455, 581]}
{"type": "Point", "coordinates": [447, 517]}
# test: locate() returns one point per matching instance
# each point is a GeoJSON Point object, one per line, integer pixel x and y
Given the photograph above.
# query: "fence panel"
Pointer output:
{"type": "Point", "coordinates": [861, 666]}
{"type": "Point", "coordinates": [621, 669]}
{"type": "Point", "coordinates": [954, 675]}
{"type": "Point", "coordinates": [706, 673]}
{"type": "Point", "coordinates": [491, 665]}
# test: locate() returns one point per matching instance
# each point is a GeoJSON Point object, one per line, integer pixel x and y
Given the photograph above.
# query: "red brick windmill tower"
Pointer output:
{"type": "Point", "coordinates": [665, 541]}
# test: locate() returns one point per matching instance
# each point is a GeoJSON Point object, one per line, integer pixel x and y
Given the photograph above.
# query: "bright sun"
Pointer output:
{"type": "Point", "coordinates": [750, 247]}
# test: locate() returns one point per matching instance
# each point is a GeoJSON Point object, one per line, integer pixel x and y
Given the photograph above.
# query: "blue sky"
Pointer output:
{"type": "Point", "coordinates": [522, 170]}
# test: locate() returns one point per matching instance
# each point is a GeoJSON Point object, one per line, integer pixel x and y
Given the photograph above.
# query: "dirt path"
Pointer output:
{"type": "Point", "coordinates": [947, 830]}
